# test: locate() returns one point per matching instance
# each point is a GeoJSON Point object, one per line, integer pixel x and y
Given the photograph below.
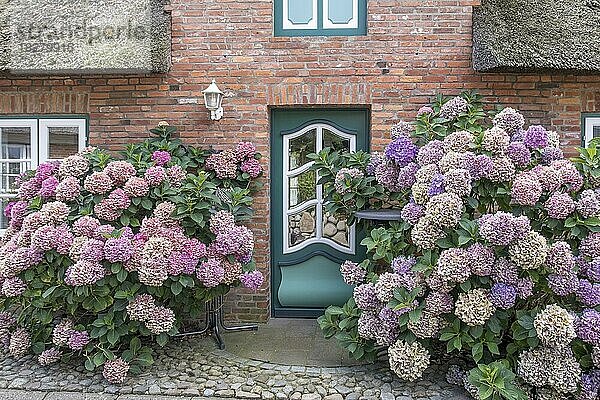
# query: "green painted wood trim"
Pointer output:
{"type": "Point", "coordinates": [288, 119]}
{"type": "Point", "coordinates": [322, 292]}
{"type": "Point", "coordinates": [583, 118]}
{"type": "Point", "coordinates": [320, 31]}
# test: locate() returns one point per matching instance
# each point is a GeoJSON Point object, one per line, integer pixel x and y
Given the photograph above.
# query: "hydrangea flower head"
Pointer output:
{"type": "Point", "coordinates": [424, 110]}
{"type": "Point", "coordinates": [224, 163]}
{"type": "Point", "coordinates": [68, 189]}
{"type": "Point", "coordinates": [555, 326]}
{"type": "Point", "coordinates": [211, 273]}
{"type": "Point", "coordinates": [245, 150]}
{"type": "Point", "coordinates": [78, 340]}
{"type": "Point", "coordinates": [430, 153]}
{"type": "Point", "coordinates": [503, 296]}
{"type": "Point", "coordinates": [510, 120]}
{"type": "Point", "coordinates": [98, 183]}
{"type": "Point", "coordinates": [136, 187]}
{"type": "Point", "coordinates": [526, 189]}
{"type": "Point", "coordinates": [474, 307]}
{"type": "Point", "coordinates": [252, 280]}
{"type": "Point", "coordinates": [352, 273]}
{"type": "Point", "coordinates": [120, 171]}
{"type": "Point", "coordinates": [118, 250]}
{"type": "Point", "coordinates": [453, 108]}
{"type": "Point", "coordinates": [155, 175]}
{"type": "Point", "coordinates": [519, 154]}
{"type": "Point", "coordinates": [161, 157]}
{"type": "Point", "coordinates": [408, 361]}
{"type": "Point", "coordinates": [412, 212]}
{"type": "Point", "coordinates": [402, 128]}
{"type": "Point", "coordinates": [495, 140]}
{"type": "Point", "coordinates": [48, 188]}
{"type": "Point", "coordinates": [459, 141]}
{"type": "Point", "coordinates": [176, 175]}
{"type": "Point", "coordinates": [374, 161]}
{"type": "Point", "coordinates": [536, 137]}
{"type": "Point", "coordinates": [75, 166]}
{"type": "Point", "coordinates": [559, 205]}
{"type": "Point", "coordinates": [402, 151]}
{"type": "Point", "coordinates": [587, 326]}
{"type": "Point", "coordinates": [588, 293]}
{"type": "Point", "coordinates": [365, 297]}
{"type": "Point", "coordinates": [252, 167]}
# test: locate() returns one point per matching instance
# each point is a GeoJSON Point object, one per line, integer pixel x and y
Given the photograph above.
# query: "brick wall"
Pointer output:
{"type": "Point", "coordinates": [414, 49]}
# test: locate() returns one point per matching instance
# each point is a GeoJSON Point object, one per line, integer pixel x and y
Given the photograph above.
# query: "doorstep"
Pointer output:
{"type": "Point", "coordinates": [294, 342]}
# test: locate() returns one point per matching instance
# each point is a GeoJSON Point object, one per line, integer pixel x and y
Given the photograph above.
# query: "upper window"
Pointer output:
{"type": "Point", "coordinates": [320, 17]}
{"type": "Point", "coordinates": [591, 127]}
{"type": "Point", "coordinates": [25, 143]}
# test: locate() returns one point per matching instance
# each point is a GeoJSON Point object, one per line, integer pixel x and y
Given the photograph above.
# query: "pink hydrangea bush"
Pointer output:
{"type": "Point", "coordinates": [496, 258]}
{"type": "Point", "coordinates": [103, 255]}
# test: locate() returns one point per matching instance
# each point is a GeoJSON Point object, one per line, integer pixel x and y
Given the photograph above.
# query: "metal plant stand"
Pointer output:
{"type": "Point", "coordinates": [385, 215]}
{"type": "Point", "coordinates": [215, 322]}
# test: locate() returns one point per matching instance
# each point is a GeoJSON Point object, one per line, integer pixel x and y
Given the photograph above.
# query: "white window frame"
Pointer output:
{"type": "Point", "coordinates": [319, 201]}
{"type": "Point", "coordinates": [39, 140]}
{"type": "Point", "coordinates": [44, 134]}
{"type": "Point", "coordinates": [32, 124]}
{"type": "Point", "coordinates": [288, 24]}
{"type": "Point", "coordinates": [352, 24]}
{"type": "Point", "coordinates": [589, 123]}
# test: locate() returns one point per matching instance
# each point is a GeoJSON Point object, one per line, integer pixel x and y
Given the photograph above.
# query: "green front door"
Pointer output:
{"type": "Point", "coordinates": [307, 244]}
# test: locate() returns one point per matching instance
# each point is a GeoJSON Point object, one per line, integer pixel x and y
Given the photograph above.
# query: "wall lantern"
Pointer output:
{"type": "Point", "coordinates": [213, 97]}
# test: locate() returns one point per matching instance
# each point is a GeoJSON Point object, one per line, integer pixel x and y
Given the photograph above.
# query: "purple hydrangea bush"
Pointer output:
{"type": "Point", "coordinates": [497, 255]}
{"type": "Point", "coordinates": [104, 255]}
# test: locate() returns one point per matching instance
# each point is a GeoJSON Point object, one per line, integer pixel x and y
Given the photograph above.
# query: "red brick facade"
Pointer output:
{"type": "Point", "coordinates": [413, 50]}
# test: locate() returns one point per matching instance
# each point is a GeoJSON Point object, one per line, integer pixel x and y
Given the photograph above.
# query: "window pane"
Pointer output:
{"type": "Point", "coordinates": [340, 11]}
{"type": "Point", "coordinates": [303, 187]}
{"type": "Point", "coordinates": [334, 141]}
{"type": "Point", "coordinates": [15, 145]}
{"type": "Point", "coordinates": [62, 142]}
{"type": "Point", "coordinates": [302, 226]}
{"type": "Point", "coordinates": [597, 131]}
{"type": "Point", "coordinates": [3, 219]}
{"type": "Point", "coordinates": [301, 147]}
{"type": "Point", "coordinates": [300, 12]}
{"type": "Point", "coordinates": [335, 229]}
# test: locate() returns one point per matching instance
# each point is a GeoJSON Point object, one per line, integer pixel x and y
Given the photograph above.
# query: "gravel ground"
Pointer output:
{"type": "Point", "coordinates": [194, 367]}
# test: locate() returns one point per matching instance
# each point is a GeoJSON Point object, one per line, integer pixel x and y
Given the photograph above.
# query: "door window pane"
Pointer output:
{"type": "Point", "coordinates": [334, 141]}
{"type": "Point", "coordinates": [301, 147]}
{"type": "Point", "coordinates": [302, 187]}
{"type": "Point", "coordinates": [335, 228]}
{"type": "Point", "coordinates": [62, 142]}
{"type": "Point", "coordinates": [302, 226]}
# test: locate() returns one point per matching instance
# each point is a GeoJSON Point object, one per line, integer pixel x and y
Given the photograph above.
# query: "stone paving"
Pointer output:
{"type": "Point", "coordinates": [193, 368]}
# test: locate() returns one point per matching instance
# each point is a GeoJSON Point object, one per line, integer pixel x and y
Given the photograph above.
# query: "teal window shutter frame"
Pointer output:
{"type": "Point", "coordinates": [319, 17]}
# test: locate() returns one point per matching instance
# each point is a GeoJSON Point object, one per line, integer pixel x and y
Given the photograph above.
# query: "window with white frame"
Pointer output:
{"type": "Point", "coordinates": [591, 127]}
{"type": "Point", "coordinates": [320, 17]}
{"type": "Point", "coordinates": [27, 142]}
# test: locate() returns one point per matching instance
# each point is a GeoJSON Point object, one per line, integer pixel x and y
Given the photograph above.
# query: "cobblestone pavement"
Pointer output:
{"type": "Point", "coordinates": [194, 368]}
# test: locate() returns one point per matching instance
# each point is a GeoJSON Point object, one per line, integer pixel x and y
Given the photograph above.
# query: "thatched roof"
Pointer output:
{"type": "Point", "coordinates": [521, 35]}
{"type": "Point", "coordinates": [85, 36]}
